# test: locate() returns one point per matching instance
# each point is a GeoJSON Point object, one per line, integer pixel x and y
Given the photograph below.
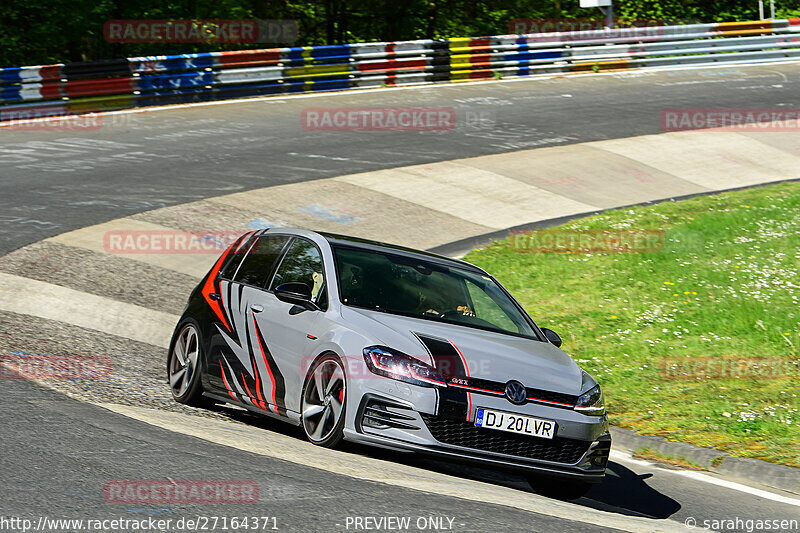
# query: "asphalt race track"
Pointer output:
{"type": "Point", "coordinates": [58, 451]}
{"type": "Point", "coordinates": [56, 181]}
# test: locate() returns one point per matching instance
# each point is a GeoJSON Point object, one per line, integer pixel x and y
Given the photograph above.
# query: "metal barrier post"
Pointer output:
{"type": "Point", "coordinates": [606, 6]}
{"type": "Point", "coordinates": [609, 13]}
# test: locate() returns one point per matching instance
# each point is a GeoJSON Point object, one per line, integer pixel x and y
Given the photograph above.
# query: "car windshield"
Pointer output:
{"type": "Point", "coordinates": [409, 286]}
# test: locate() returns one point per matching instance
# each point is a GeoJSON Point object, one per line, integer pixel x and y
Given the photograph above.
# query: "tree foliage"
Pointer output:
{"type": "Point", "coordinates": [51, 31]}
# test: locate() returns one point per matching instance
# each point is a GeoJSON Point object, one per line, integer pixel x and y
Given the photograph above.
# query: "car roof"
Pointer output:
{"type": "Point", "coordinates": [376, 246]}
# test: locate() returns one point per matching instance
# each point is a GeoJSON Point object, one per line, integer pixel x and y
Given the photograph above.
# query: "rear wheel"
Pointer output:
{"type": "Point", "coordinates": [324, 399]}
{"type": "Point", "coordinates": [559, 489]}
{"type": "Point", "coordinates": [185, 366]}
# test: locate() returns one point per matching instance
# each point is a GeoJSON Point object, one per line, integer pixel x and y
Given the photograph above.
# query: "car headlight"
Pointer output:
{"type": "Point", "coordinates": [591, 401]}
{"type": "Point", "coordinates": [392, 364]}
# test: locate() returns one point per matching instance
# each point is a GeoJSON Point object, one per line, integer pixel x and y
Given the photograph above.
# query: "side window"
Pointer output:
{"type": "Point", "coordinates": [258, 264]}
{"type": "Point", "coordinates": [235, 259]}
{"type": "Point", "coordinates": [303, 263]}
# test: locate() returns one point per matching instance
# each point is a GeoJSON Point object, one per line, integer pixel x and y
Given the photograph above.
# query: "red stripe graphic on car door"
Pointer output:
{"type": "Point", "coordinates": [269, 369]}
{"type": "Point", "coordinates": [261, 402]}
{"type": "Point", "coordinates": [225, 381]}
{"type": "Point", "coordinates": [249, 394]}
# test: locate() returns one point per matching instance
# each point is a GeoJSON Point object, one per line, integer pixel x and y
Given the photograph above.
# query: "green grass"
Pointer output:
{"type": "Point", "coordinates": [725, 286]}
{"type": "Point", "coordinates": [677, 460]}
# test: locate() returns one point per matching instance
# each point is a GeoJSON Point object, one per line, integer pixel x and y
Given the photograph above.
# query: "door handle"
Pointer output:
{"type": "Point", "coordinates": [214, 296]}
{"type": "Point", "coordinates": [256, 308]}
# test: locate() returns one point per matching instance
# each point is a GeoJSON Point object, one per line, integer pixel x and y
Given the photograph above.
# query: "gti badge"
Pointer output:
{"type": "Point", "coordinates": [516, 393]}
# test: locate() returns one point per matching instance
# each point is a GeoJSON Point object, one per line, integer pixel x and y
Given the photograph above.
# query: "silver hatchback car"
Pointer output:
{"type": "Point", "coordinates": [378, 344]}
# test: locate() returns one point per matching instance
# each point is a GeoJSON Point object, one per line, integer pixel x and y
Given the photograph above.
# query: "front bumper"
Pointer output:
{"type": "Point", "coordinates": [390, 423]}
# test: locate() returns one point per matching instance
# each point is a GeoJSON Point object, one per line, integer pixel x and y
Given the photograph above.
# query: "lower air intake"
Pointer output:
{"type": "Point", "coordinates": [467, 435]}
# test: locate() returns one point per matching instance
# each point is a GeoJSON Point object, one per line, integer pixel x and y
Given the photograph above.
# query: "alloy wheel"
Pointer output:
{"type": "Point", "coordinates": [323, 400]}
{"type": "Point", "coordinates": [183, 362]}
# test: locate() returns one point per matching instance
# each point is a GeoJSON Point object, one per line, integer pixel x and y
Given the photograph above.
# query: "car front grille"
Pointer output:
{"type": "Point", "coordinates": [467, 435]}
{"type": "Point", "coordinates": [549, 396]}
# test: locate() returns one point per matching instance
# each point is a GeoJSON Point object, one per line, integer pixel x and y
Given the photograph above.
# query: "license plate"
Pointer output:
{"type": "Point", "coordinates": [514, 423]}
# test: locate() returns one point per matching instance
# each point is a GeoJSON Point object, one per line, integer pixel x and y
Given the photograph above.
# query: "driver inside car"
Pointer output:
{"type": "Point", "coordinates": [436, 307]}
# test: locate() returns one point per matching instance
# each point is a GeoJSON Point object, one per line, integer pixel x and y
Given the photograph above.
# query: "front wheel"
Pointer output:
{"type": "Point", "coordinates": [559, 489]}
{"type": "Point", "coordinates": [324, 400]}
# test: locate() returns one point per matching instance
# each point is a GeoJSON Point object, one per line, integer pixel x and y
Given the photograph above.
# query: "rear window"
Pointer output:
{"type": "Point", "coordinates": [235, 259]}
{"type": "Point", "coordinates": [257, 266]}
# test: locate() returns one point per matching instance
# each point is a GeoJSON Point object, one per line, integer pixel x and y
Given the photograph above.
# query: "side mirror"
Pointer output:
{"type": "Point", "coordinates": [552, 336]}
{"type": "Point", "coordinates": [297, 294]}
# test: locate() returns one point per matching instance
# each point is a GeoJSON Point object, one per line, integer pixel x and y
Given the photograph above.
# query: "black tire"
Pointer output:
{"type": "Point", "coordinates": [332, 432]}
{"type": "Point", "coordinates": [557, 488]}
{"type": "Point", "coordinates": [190, 393]}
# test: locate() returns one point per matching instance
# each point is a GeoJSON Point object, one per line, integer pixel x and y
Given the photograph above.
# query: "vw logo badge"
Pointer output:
{"type": "Point", "coordinates": [516, 393]}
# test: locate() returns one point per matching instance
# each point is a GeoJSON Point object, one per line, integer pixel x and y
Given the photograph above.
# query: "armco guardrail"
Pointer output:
{"type": "Point", "coordinates": [73, 88]}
